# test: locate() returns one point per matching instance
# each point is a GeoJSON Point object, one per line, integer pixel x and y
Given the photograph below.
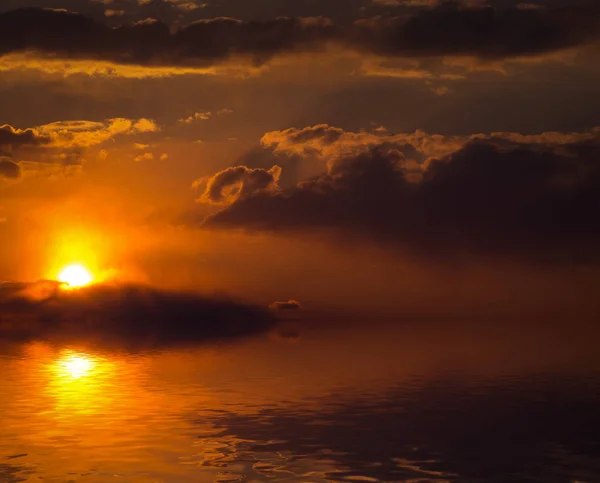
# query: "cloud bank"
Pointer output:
{"type": "Point", "coordinates": [500, 194]}
{"type": "Point", "coordinates": [448, 29]}
{"type": "Point", "coordinates": [133, 316]}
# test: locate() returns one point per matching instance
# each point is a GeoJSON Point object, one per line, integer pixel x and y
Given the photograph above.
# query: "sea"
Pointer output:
{"type": "Point", "coordinates": [361, 401]}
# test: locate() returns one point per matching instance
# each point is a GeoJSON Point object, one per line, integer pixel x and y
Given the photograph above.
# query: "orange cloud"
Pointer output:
{"type": "Point", "coordinates": [70, 134]}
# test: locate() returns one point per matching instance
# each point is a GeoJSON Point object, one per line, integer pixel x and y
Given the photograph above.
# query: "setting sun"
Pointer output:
{"type": "Point", "coordinates": [75, 275]}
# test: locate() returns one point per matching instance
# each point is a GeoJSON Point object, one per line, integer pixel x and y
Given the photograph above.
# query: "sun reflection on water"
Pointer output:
{"type": "Point", "coordinates": [76, 366]}
{"type": "Point", "coordinates": [82, 382]}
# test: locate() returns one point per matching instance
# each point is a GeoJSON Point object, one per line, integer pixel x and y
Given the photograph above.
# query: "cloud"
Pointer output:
{"type": "Point", "coordinates": [60, 67]}
{"type": "Point", "coordinates": [12, 137]}
{"type": "Point", "coordinates": [9, 169]}
{"type": "Point", "coordinates": [151, 43]}
{"type": "Point", "coordinates": [289, 305]}
{"type": "Point", "coordinates": [136, 316]}
{"type": "Point", "coordinates": [197, 116]}
{"type": "Point", "coordinates": [503, 194]}
{"type": "Point", "coordinates": [330, 141]}
{"type": "Point", "coordinates": [113, 13]}
{"type": "Point", "coordinates": [143, 125]}
{"type": "Point", "coordinates": [326, 141]}
{"type": "Point", "coordinates": [448, 29]}
{"type": "Point", "coordinates": [63, 143]}
{"type": "Point", "coordinates": [83, 134]}
{"type": "Point", "coordinates": [325, 134]}
{"type": "Point", "coordinates": [264, 157]}
{"type": "Point", "coordinates": [74, 134]}
{"type": "Point", "coordinates": [482, 32]}
{"type": "Point", "coordinates": [237, 183]}
{"type": "Point", "coordinates": [144, 157]}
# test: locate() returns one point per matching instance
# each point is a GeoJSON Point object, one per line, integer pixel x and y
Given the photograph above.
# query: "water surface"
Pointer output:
{"type": "Point", "coordinates": [359, 402]}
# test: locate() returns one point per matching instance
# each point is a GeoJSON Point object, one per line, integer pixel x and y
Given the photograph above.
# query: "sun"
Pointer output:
{"type": "Point", "coordinates": [75, 275]}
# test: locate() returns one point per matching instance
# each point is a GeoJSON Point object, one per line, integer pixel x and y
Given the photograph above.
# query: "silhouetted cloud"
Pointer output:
{"type": "Point", "coordinates": [135, 316]}
{"type": "Point", "coordinates": [497, 194]}
{"type": "Point", "coordinates": [237, 183]}
{"type": "Point", "coordinates": [150, 42]}
{"type": "Point", "coordinates": [449, 29]}
{"type": "Point", "coordinates": [265, 157]}
{"type": "Point", "coordinates": [289, 305]}
{"type": "Point", "coordinates": [13, 137]}
{"type": "Point", "coordinates": [483, 32]}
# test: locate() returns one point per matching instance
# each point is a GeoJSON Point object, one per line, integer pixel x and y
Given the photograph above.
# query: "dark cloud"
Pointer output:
{"type": "Point", "coordinates": [261, 157]}
{"type": "Point", "coordinates": [185, 11]}
{"type": "Point", "coordinates": [150, 42]}
{"type": "Point", "coordinates": [509, 194]}
{"type": "Point", "coordinates": [134, 316]}
{"type": "Point", "coordinates": [448, 29]}
{"type": "Point", "coordinates": [482, 32]}
{"type": "Point", "coordinates": [289, 305]}
{"type": "Point", "coordinates": [9, 169]}
{"type": "Point", "coordinates": [239, 182]}
{"type": "Point", "coordinates": [13, 137]}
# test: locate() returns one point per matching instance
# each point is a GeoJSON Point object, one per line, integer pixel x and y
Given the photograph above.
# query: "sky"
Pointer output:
{"type": "Point", "coordinates": [367, 156]}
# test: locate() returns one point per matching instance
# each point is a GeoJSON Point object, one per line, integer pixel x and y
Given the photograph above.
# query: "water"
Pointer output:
{"type": "Point", "coordinates": [358, 402]}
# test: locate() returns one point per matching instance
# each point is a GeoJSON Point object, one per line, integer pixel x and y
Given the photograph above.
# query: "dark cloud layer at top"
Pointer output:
{"type": "Point", "coordinates": [445, 30]}
{"type": "Point", "coordinates": [150, 42]}
{"type": "Point", "coordinates": [481, 32]}
{"type": "Point", "coordinates": [505, 195]}
{"type": "Point", "coordinates": [133, 316]}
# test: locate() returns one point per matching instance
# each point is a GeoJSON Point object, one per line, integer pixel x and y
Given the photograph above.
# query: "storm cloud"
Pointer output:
{"type": "Point", "coordinates": [506, 194]}
{"type": "Point", "coordinates": [449, 29]}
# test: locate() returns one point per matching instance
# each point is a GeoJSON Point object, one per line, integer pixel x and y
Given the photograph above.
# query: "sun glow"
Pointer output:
{"type": "Point", "coordinates": [76, 366]}
{"type": "Point", "coordinates": [75, 275]}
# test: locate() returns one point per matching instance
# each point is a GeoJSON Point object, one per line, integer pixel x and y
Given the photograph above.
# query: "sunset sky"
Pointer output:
{"type": "Point", "coordinates": [378, 156]}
